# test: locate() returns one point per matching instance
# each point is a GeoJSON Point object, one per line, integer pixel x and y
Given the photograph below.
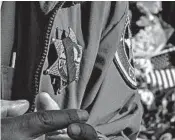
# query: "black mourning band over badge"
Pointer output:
{"type": "Point", "coordinates": [66, 66]}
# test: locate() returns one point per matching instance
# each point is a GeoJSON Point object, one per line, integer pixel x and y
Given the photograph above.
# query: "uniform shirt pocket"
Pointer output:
{"type": "Point", "coordinates": [6, 82]}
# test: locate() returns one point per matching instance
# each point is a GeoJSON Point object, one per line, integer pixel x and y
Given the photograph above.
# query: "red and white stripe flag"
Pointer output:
{"type": "Point", "coordinates": [161, 79]}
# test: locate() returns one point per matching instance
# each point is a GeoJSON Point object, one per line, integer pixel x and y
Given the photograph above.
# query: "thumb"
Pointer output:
{"type": "Point", "coordinates": [45, 102]}
{"type": "Point", "coordinates": [13, 108]}
{"type": "Point", "coordinates": [79, 131]}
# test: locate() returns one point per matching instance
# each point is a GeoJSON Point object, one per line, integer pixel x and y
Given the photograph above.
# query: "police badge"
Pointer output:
{"type": "Point", "coordinates": [66, 67]}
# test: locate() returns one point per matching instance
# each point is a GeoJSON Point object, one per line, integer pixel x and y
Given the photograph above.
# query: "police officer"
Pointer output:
{"type": "Point", "coordinates": [77, 52]}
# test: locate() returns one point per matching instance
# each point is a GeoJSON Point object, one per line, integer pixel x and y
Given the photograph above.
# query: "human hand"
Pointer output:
{"type": "Point", "coordinates": [13, 108]}
{"type": "Point", "coordinates": [77, 131]}
{"type": "Point", "coordinates": [32, 125]}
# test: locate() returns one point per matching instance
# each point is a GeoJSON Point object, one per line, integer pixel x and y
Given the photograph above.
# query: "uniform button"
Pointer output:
{"type": "Point", "coordinates": [53, 39]}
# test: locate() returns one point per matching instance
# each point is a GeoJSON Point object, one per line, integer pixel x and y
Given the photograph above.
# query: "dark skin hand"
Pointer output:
{"type": "Point", "coordinates": [16, 126]}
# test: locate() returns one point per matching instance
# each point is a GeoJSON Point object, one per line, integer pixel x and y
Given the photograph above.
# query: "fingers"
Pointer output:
{"type": "Point", "coordinates": [79, 131]}
{"type": "Point", "coordinates": [13, 108]}
{"type": "Point", "coordinates": [38, 123]}
{"type": "Point", "coordinates": [45, 102]}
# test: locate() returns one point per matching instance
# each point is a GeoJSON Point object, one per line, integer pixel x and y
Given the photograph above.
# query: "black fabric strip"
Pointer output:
{"type": "Point", "coordinates": [71, 69]}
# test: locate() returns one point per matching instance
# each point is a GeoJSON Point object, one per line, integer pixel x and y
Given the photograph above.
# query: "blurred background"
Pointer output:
{"type": "Point", "coordinates": [153, 41]}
